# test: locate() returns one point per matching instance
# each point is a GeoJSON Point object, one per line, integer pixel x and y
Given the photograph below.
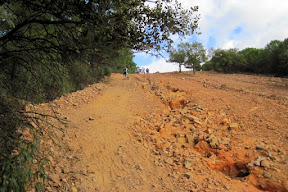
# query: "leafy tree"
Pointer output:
{"type": "Point", "coordinates": [177, 56]}
{"type": "Point", "coordinates": [195, 55]}
{"type": "Point", "coordinates": [208, 66]}
{"type": "Point", "coordinates": [124, 58]}
{"type": "Point", "coordinates": [273, 59]}
{"type": "Point", "coordinates": [253, 57]}
{"type": "Point", "coordinates": [191, 55]}
{"type": "Point", "coordinates": [270, 59]}
{"type": "Point", "coordinates": [228, 61]}
{"type": "Point", "coordinates": [52, 36]}
{"type": "Point", "coordinates": [283, 58]}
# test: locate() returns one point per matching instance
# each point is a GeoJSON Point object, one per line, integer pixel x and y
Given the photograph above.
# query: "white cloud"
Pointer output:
{"type": "Point", "coordinates": [230, 44]}
{"type": "Point", "coordinates": [261, 21]}
{"type": "Point", "coordinates": [162, 66]}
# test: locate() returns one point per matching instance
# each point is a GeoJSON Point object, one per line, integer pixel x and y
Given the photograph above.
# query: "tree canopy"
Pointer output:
{"type": "Point", "coordinates": [56, 41]}
{"type": "Point", "coordinates": [191, 55]}
{"type": "Point", "coordinates": [272, 59]}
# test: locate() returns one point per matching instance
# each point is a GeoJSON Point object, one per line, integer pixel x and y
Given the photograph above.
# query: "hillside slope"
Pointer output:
{"type": "Point", "coordinates": [172, 132]}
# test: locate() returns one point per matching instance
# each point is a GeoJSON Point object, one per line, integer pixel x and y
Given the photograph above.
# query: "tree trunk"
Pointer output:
{"type": "Point", "coordinates": [179, 67]}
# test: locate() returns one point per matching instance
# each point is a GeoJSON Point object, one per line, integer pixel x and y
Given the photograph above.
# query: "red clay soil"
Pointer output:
{"type": "Point", "coordinates": [172, 132]}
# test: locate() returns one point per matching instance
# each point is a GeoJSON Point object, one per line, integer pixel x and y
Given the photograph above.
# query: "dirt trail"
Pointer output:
{"type": "Point", "coordinates": [103, 154]}
{"type": "Point", "coordinates": [173, 132]}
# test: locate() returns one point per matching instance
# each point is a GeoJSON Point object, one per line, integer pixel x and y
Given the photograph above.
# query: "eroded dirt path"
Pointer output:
{"type": "Point", "coordinates": [173, 132]}
{"type": "Point", "coordinates": [102, 153]}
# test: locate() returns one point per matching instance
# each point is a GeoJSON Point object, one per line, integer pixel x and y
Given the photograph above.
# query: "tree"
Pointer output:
{"type": "Point", "coordinates": [177, 56]}
{"type": "Point", "coordinates": [228, 61]}
{"type": "Point", "coordinates": [283, 58]}
{"type": "Point", "coordinates": [53, 36]}
{"type": "Point", "coordinates": [124, 58]}
{"type": "Point", "coordinates": [253, 57]}
{"type": "Point", "coordinates": [270, 59]}
{"type": "Point", "coordinates": [195, 55]}
{"type": "Point", "coordinates": [191, 55]}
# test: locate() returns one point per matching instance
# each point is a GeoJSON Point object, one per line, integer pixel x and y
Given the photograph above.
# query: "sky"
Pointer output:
{"type": "Point", "coordinates": [229, 24]}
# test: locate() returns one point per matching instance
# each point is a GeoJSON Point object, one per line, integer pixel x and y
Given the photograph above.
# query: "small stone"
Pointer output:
{"type": "Point", "coordinates": [266, 174]}
{"type": "Point", "coordinates": [265, 163]}
{"type": "Point", "coordinates": [55, 178]}
{"type": "Point", "coordinates": [58, 169]}
{"type": "Point", "coordinates": [91, 118]}
{"type": "Point", "coordinates": [181, 140]}
{"type": "Point", "coordinates": [187, 175]}
{"type": "Point", "coordinates": [188, 164]}
{"type": "Point", "coordinates": [49, 189]}
{"type": "Point", "coordinates": [214, 142]}
{"type": "Point", "coordinates": [192, 117]}
{"type": "Point", "coordinates": [74, 189]}
{"type": "Point", "coordinates": [233, 126]}
{"type": "Point", "coordinates": [225, 121]}
{"type": "Point", "coordinates": [175, 104]}
{"type": "Point", "coordinates": [190, 140]}
{"type": "Point", "coordinates": [225, 141]}
{"type": "Point", "coordinates": [138, 167]}
{"type": "Point", "coordinates": [197, 122]}
{"type": "Point", "coordinates": [226, 187]}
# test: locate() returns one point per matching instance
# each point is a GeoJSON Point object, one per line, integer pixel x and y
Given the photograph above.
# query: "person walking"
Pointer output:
{"type": "Point", "coordinates": [147, 70]}
{"type": "Point", "coordinates": [125, 72]}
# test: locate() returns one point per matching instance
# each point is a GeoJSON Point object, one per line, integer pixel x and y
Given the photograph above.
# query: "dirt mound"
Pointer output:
{"type": "Point", "coordinates": [172, 132]}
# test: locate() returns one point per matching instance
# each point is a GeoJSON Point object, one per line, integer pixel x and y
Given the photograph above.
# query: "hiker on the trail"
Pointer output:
{"type": "Point", "coordinates": [147, 70]}
{"type": "Point", "coordinates": [125, 73]}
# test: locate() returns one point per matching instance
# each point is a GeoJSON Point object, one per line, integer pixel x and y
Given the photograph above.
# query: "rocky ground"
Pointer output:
{"type": "Point", "coordinates": [171, 132]}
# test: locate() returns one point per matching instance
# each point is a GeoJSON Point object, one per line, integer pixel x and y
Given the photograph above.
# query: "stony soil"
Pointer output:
{"type": "Point", "coordinates": [171, 132]}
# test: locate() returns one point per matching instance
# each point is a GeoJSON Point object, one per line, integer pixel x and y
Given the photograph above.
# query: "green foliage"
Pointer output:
{"type": "Point", "coordinates": [49, 48]}
{"type": "Point", "coordinates": [189, 54]}
{"type": "Point", "coordinates": [282, 68]}
{"type": "Point", "coordinates": [20, 160]}
{"type": "Point", "coordinates": [42, 43]}
{"type": "Point", "coordinates": [228, 61]}
{"type": "Point", "coordinates": [177, 56]}
{"type": "Point", "coordinates": [207, 66]}
{"type": "Point", "coordinates": [253, 58]}
{"type": "Point", "coordinates": [273, 59]}
{"type": "Point", "coordinates": [18, 170]}
{"type": "Point", "coordinates": [124, 58]}
{"type": "Point", "coordinates": [195, 55]}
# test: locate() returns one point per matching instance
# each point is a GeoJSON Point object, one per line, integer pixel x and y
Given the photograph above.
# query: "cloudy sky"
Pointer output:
{"type": "Point", "coordinates": [230, 24]}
